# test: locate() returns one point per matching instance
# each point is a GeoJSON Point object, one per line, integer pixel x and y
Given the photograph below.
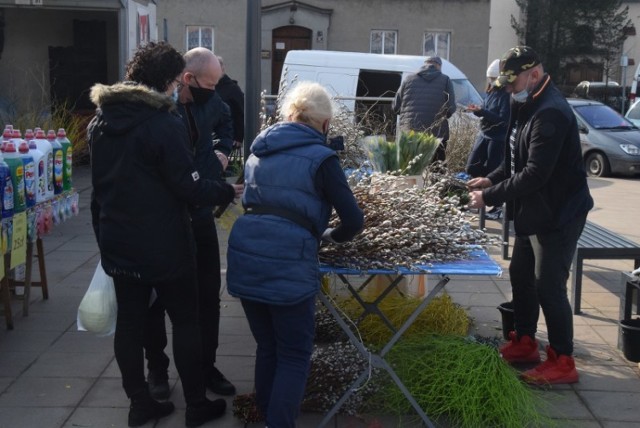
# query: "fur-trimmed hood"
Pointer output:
{"type": "Point", "coordinates": [130, 92]}
{"type": "Point", "coordinates": [124, 105]}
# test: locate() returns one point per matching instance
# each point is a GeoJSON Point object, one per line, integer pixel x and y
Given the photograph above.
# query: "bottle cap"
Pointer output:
{"type": "Point", "coordinates": [9, 147]}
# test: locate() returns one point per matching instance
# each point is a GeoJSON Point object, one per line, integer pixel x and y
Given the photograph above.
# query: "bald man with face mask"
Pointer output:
{"type": "Point", "coordinates": [209, 124]}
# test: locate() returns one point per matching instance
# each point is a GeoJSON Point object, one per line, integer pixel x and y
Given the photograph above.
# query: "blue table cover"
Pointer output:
{"type": "Point", "coordinates": [477, 263]}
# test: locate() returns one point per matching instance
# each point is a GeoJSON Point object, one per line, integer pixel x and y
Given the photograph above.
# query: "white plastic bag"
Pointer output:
{"type": "Point", "coordinates": [98, 309]}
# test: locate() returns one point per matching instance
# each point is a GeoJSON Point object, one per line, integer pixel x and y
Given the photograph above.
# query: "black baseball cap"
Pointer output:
{"type": "Point", "coordinates": [514, 62]}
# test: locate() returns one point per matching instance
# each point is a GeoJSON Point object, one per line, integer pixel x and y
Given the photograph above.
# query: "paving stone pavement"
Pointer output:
{"type": "Point", "coordinates": [53, 376]}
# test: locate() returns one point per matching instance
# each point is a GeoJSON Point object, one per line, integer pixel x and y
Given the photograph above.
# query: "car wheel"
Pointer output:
{"type": "Point", "coordinates": [597, 165]}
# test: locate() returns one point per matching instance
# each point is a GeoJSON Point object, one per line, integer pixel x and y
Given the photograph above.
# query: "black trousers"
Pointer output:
{"type": "Point", "coordinates": [539, 271]}
{"type": "Point", "coordinates": [180, 299]}
{"type": "Point", "coordinates": [209, 281]}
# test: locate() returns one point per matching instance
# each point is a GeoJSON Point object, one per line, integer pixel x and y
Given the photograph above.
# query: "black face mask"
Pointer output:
{"type": "Point", "coordinates": [201, 95]}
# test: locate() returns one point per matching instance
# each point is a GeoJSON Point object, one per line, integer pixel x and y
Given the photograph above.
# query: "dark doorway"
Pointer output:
{"type": "Point", "coordinates": [375, 116]}
{"type": "Point", "coordinates": [74, 69]}
{"type": "Point", "coordinates": [286, 39]}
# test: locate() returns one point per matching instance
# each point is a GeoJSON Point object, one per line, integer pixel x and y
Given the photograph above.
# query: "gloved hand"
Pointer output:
{"type": "Point", "coordinates": [635, 272]}
{"type": "Point", "coordinates": [326, 235]}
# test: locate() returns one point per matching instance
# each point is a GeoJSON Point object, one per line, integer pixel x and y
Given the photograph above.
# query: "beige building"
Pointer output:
{"type": "Point", "coordinates": [457, 30]}
{"type": "Point", "coordinates": [57, 49]}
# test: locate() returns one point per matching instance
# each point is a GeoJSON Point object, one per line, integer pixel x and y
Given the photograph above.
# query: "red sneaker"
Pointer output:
{"type": "Point", "coordinates": [520, 350]}
{"type": "Point", "coordinates": [555, 370]}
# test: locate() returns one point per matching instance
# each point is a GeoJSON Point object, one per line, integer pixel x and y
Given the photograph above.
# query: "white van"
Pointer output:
{"type": "Point", "coordinates": [355, 74]}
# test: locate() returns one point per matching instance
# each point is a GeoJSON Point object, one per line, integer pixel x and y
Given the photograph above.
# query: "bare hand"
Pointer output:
{"type": "Point", "coordinates": [478, 183]}
{"type": "Point", "coordinates": [223, 159]}
{"type": "Point", "coordinates": [475, 199]}
{"type": "Point", "coordinates": [239, 189]}
{"type": "Point", "coordinates": [473, 107]}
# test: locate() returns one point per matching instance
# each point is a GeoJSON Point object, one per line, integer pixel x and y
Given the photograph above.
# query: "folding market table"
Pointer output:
{"type": "Point", "coordinates": [478, 263]}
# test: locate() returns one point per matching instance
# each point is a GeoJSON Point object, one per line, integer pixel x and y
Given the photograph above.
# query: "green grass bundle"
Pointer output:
{"type": "Point", "coordinates": [410, 156]}
{"type": "Point", "coordinates": [441, 316]}
{"type": "Point", "coordinates": [463, 381]}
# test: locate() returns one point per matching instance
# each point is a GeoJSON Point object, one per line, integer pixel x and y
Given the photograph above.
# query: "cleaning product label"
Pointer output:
{"type": "Point", "coordinates": [7, 196]}
{"type": "Point", "coordinates": [58, 170]}
{"type": "Point", "coordinates": [30, 182]}
{"type": "Point", "coordinates": [67, 169]}
{"type": "Point", "coordinates": [50, 179]}
{"type": "Point", "coordinates": [42, 179]}
{"type": "Point", "coordinates": [18, 191]}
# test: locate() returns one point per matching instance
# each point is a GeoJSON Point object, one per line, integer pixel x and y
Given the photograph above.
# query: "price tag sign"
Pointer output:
{"type": "Point", "coordinates": [19, 242]}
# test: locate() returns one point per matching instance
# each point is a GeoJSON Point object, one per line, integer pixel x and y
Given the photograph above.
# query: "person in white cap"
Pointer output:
{"type": "Point", "coordinates": [488, 150]}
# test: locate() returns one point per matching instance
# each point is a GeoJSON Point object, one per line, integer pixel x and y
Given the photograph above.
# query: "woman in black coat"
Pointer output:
{"type": "Point", "coordinates": [143, 180]}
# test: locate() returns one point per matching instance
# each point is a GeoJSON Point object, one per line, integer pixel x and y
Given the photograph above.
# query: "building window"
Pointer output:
{"type": "Point", "coordinates": [199, 36]}
{"type": "Point", "coordinates": [383, 41]}
{"type": "Point", "coordinates": [437, 43]}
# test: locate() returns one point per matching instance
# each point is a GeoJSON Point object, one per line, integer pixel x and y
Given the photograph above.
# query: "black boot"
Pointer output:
{"type": "Point", "coordinates": [203, 412]}
{"type": "Point", "coordinates": [144, 408]}
{"type": "Point", "coordinates": [219, 384]}
{"type": "Point", "coordinates": [158, 385]}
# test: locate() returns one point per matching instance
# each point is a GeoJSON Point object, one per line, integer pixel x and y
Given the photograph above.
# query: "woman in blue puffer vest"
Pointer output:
{"type": "Point", "coordinates": [293, 179]}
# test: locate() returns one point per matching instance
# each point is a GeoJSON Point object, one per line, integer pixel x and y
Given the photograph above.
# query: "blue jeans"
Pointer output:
{"type": "Point", "coordinates": [539, 270]}
{"type": "Point", "coordinates": [284, 335]}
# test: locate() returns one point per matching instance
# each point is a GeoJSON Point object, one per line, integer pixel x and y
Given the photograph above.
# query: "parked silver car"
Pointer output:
{"type": "Point", "coordinates": [610, 143]}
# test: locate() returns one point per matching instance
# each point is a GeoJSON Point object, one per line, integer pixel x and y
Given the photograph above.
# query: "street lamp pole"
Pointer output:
{"type": "Point", "coordinates": [624, 62]}
{"type": "Point", "coordinates": [253, 74]}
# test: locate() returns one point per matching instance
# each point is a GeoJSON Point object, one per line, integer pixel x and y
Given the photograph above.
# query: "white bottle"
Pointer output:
{"type": "Point", "coordinates": [29, 172]}
{"type": "Point", "coordinates": [40, 171]}
{"type": "Point", "coordinates": [47, 150]}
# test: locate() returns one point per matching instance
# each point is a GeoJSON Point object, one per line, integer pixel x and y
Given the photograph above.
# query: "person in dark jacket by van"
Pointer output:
{"type": "Point", "coordinates": [144, 179]}
{"type": "Point", "coordinates": [293, 180]}
{"type": "Point", "coordinates": [544, 183]}
{"type": "Point", "coordinates": [425, 101]}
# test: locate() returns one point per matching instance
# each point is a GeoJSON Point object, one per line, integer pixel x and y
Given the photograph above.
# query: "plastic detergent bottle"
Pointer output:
{"type": "Point", "coordinates": [7, 133]}
{"type": "Point", "coordinates": [29, 174]}
{"type": "Point", "coordinates": [16, 167]}
{"type": "Point", "coordinates": [16, 137]}
{"type": "Point", "coordinates": [6, 187]}
{"type": "Point", "coordinates": [67, 157]}
{"type": "Point", "coordinates": [47, 150]}
{"type": "Point", "coordinates": [40, 171]}
{"type": "Point", "coordinates": [58, 162]}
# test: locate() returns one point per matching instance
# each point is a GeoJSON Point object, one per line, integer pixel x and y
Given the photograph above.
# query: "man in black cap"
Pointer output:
{"type": "Point", "coordinates": [543, 181]}
{"type": "Point", "coordinates": [425, 100]}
